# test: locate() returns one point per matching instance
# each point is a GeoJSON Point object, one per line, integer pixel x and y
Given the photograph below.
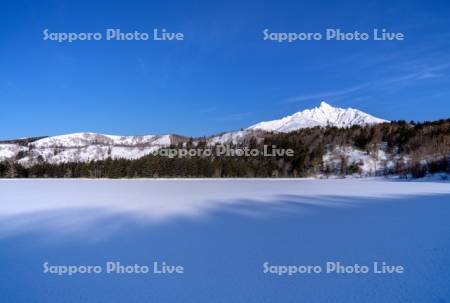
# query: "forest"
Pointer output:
{"type": "Point", "coordinates": [410, 149]}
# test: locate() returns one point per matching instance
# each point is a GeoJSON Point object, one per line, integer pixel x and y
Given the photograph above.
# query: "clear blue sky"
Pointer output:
{"type": "Point", "coordinates": [223, 76]}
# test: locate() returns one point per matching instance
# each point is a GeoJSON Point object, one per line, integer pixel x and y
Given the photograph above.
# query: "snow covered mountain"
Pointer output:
{"type": "Point", "coordinates": [84, 147]}
{"type": "Point", "coordinates": [324, 115]}
{"type": "Point", "coordinates": [85, 139]}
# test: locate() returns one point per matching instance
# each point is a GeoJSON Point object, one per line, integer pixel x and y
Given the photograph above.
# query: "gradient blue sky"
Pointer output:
{"type": "Point", "coordinates": [223, 76]}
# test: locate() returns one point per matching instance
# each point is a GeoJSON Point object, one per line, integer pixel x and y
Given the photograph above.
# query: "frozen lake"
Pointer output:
{"type": "Point", "coordinates": [222, 232]}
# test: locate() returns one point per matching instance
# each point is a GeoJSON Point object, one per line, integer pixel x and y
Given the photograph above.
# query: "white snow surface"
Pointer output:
{"type": "Point", "coordinates": [158, 199]}
{"type": "Point", "coordinates": [227, 228]}
{"type": "Point", "coordinates": [324, 115]}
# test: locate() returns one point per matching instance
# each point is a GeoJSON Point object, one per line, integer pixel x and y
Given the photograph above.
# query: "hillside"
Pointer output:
{"type": "Point", "coordinates": [395, 148]}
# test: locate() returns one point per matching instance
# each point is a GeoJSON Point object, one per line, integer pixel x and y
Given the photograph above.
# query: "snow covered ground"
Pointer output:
{"type": "Point", "coordinates": [222, 232]}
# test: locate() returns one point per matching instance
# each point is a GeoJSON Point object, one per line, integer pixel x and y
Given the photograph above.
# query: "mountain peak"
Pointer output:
{"type": "Point", "coordinates": [324, 115]}
{"type": "Point", "coordinates": [324, 104]}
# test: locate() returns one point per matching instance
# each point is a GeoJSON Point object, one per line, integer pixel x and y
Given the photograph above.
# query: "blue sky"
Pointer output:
{"type": "Point", "coordinates": [223, 76]}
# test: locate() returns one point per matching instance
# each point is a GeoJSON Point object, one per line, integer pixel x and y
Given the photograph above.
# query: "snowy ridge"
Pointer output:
{"type": "Point", "coordinates": [88, 146]}
{"type": "Point", "coordinates": [235, 138]}
{"type": "Point", "coordinates": [86, 139]}
{"type": "Point", "coordinates": [324, 115]}
{"type": "Point", "coordinates": [84, 147]}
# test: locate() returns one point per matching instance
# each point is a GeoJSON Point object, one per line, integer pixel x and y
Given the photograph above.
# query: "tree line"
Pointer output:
{"type": "Point", "coordinates": [415, 148]}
